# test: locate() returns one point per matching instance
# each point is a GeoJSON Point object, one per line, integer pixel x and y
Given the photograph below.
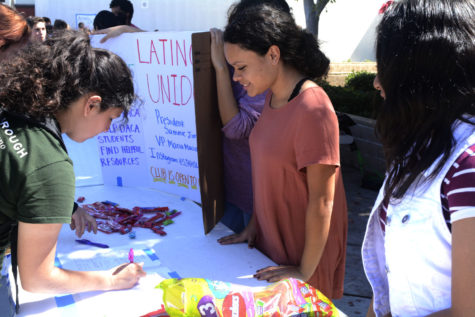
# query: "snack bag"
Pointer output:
{"type": "Point", "coordinates": [199, 297]}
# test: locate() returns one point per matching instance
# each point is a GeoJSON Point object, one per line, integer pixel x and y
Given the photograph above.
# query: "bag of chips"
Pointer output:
{"type": "Point", "coordinates": [204, 298]}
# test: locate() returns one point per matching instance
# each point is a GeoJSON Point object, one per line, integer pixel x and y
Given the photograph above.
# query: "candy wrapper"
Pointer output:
{"type": "Point", "coordinates": [112, 218]}
{"type": "Point", "coordinates": [199, 297]}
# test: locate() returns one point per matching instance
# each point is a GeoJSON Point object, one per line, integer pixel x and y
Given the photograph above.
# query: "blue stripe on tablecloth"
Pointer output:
{"type": "Point", "coordinates": [151, 254]}
{"type": "Point", "coordinates": [57, 262]}
{"type": "Point", "coordinates": [66, 305]}
{"type": "Point", "coordinates": [174, 274]}
{"type": "Point", "coordinates": [65, 300]}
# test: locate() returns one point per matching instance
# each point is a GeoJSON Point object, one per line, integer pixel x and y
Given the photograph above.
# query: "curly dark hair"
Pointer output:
{"type": "Point", "coordinates": [244, 4]}
{"type": "Point", "coordinates": [45, 78]}
{"type": "Point", "coordinates": [425, 53]}
{"type": "Point", "coordinates": [257, 28]}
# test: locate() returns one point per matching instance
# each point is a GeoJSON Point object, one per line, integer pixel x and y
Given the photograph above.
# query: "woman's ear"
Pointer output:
{"type": "Point", "coordinates": [274, 54]}
{"type": "Point", "coordinates": [92, 102]}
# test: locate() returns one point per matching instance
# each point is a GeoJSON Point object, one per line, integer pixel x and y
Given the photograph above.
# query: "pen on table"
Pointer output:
{"type": "Point", "coordinates": [131, 255]}
{"type": "Point", "coordinates": [87, 242]}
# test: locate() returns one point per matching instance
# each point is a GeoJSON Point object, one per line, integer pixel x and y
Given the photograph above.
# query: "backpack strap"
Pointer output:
{"type": "Point", "coordinates": [14, 249]}
{"type": "Point", "coordinates": [12, 227]}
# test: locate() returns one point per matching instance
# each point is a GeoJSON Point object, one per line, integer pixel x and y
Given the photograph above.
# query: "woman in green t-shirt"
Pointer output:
{"type": "Point", "coordinates": [61, 86]}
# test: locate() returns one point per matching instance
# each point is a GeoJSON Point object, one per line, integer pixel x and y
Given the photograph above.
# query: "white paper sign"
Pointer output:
{"type": "Point", "coordinates": [87, 19]}
{"type": "Point", "coordinates": [157, 148]}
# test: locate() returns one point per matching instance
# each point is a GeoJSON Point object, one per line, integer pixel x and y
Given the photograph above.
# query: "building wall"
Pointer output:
{"type": "Point", "coordinates": [7, 2]}
{"type": "Point", "coordinates": [24, 2]}
{"type": "Point", "coordinates": [346, 26]}
{"type": "Point", "coordinates": [347, 29]}
{"type": "Point", "coordinates": [150, 15]}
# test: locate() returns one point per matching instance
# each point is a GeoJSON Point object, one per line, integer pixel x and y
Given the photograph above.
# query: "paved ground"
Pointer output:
{"type": "Point", "coordinates": [357, 293]}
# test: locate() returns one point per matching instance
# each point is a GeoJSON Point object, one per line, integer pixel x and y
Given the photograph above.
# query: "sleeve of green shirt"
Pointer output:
{"type": "Point", "coordinates": [48, 194]}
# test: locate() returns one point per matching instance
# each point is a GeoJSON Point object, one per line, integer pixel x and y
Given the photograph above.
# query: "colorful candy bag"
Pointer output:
{"type": "Point", "coordinates": [204, 298]}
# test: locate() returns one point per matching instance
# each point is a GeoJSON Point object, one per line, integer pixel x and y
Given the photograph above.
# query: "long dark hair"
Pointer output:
{"type": "Point", "coordinates": [257, 28]}
{"type": "Point", "coordinates": [46, 78]}
{"type": "Point", "coordinates": [425, 54]}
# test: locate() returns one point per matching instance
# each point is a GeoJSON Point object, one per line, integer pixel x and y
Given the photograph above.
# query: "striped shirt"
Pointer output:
{"type": "Point", "coordinates": [457, 191]}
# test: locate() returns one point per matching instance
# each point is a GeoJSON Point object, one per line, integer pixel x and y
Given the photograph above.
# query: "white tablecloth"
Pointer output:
{"type": "Point", "coordinates": [184, 252]}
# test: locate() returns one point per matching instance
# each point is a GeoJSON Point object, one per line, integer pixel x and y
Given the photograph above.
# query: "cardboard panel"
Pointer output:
{"type": "Point", "coordinates": [208, 130]}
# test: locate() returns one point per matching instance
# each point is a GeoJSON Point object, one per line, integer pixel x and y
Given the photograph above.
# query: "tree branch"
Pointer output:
{"type": "Point", "coordinates": [312, 14]}
{"type": "Point", "coordinates": [320, 5]}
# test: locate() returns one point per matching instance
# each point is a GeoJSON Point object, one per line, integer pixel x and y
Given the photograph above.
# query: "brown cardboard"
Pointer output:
{"type": "Point", "coordinates": [208, 131]}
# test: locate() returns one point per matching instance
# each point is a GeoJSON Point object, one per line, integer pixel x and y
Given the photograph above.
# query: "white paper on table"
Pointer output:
{"type": "Point", "coordinates": [139, 300]}
{"type": "Point", "coordinates": [94, 259]}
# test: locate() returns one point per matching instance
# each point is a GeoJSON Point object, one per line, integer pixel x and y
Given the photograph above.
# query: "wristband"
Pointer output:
{"type": "Point", "coordinates": [75, 207]}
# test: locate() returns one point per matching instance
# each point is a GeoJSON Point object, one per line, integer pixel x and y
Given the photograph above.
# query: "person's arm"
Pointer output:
{"type": "Point", "coordinates": [463, 275]}
{"type": "Point", "coordinates": [461, 204]}
{"type": "Point", "coordinates": [228, 107]}
{"type": "Point", "coordinates": [116, 31]}
{"type": "Point", "coordinates": [321, 190]}
{"type": "Point", "coordinates": [36, 253]}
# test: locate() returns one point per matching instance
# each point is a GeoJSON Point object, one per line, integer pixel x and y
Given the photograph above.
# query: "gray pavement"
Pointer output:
{"type": "Point", "coordinates": [357, 292]}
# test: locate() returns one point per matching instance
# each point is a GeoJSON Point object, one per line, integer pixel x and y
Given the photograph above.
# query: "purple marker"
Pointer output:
{"type": "Point", "coordinates": [131, 255]}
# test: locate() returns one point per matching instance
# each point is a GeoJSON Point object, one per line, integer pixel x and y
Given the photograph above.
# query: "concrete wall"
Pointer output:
{"type": "Point", "coordinates": [346, 26]}
{"type": "Point", "coordinates": [369, 155]}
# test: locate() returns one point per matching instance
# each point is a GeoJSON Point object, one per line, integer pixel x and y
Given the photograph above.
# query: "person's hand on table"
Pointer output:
{"type": "Point", "coordinates": [217, 49]}
{"type": "Point", "coordinates": [116, 31]}
{"type": "Point", "coordinates": [126, 275]}
{"type": "Point", "coordinates": [276, 273]}
{"type": "Point", "coordinates": [248, 234]}
{"type": "Point", "coordinates": [81, 221]}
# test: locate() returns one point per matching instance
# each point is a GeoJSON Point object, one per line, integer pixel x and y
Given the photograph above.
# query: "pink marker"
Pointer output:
{"type": "Point", "coordinates": [131, 255]}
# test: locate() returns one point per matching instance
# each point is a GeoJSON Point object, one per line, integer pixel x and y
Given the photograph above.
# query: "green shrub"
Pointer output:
{"type": "Point", "coordinates": [349, 100]}
{"type": "Point", "coordinates": [360, 81]}
{"type": "Point", "coordinates": [358, 96]}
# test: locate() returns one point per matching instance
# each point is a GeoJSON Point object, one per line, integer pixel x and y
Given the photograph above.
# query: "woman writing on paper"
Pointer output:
{"type": "Point", "coordinates": [63, 86]}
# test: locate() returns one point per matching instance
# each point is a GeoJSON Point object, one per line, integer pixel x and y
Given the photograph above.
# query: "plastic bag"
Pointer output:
{"type": "Point", "coordinates": [204, 298]}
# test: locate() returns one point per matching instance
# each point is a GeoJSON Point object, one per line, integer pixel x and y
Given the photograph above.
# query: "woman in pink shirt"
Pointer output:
{"type": "Point", "coordinates": [299, 217]}
{"type": "Point", "coordinates": [239, 113]}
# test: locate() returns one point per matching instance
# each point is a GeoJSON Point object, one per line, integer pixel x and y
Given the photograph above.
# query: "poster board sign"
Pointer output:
{"type": "Point", "coordinates": [157, 147]}
{"type": "Point", "coordinates": [87, 19]}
